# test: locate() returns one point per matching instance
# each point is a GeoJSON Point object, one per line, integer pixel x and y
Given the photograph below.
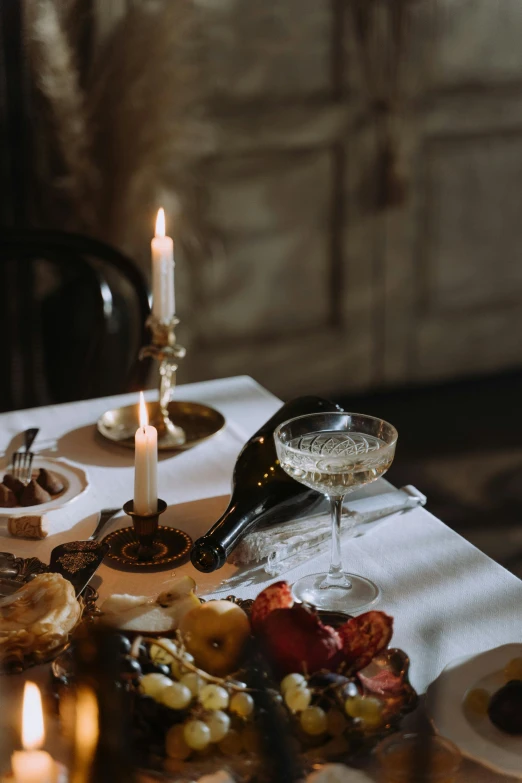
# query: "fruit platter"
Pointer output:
{"type": "Point", "coordinates": [213, 684]}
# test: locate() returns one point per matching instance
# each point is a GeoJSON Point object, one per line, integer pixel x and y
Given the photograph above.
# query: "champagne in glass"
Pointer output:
{"type": "Point", "coordinates": [336, 453]}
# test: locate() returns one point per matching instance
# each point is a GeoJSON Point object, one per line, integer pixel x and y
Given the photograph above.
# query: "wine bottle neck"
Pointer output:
{"type": "Point", "coordinates": [262, 489]}
{"type": "Point", "coordinates": [211, 551]}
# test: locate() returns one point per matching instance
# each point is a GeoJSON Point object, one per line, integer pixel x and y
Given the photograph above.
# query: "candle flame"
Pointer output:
{"type": "Point", "coordinates": [144, 416]}
{"type": "Point", "coordinates": [33, 732]}
{"type": "Point", "coordinates": [160, 223]}
{"type": "Point", "coordinates": [87, 726]}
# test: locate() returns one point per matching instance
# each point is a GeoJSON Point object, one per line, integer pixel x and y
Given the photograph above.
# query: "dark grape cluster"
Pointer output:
{"type": "Point", "coordinates": [177, 711]}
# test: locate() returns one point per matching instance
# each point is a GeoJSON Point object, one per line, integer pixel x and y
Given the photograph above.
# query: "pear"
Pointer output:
{"type": "Point", "coordinates": [216, 634]}
{"type": "Point", "coordinates": [37, 618]}
{"type": "Point", "coordinates": [159, 614]}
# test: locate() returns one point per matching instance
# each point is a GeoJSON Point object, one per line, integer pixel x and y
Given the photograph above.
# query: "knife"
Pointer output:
{"type": "Point", "coordinates": [78, 561]}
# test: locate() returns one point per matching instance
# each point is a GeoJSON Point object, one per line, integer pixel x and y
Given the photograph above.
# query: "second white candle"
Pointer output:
{"type": "Point", "coordinates": [162, 247]}
{"type": "Point", "coordinates": [145, 465]}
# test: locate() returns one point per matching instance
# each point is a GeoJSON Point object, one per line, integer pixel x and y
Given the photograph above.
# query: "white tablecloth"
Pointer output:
{"type": "Point", "coordinates": [448, 598]}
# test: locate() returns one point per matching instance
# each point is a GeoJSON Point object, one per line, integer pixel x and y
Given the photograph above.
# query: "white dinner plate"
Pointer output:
{"type": "Point", "coordinates": [74, 478]}
{"type": "Point", "coordinates": [475, 735]}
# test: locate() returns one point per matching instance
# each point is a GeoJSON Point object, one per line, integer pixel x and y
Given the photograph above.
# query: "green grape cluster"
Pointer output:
{"type": "Point", "coordinates": [329, 705]}
{"type": "Point", "coordinates": [209, 713]}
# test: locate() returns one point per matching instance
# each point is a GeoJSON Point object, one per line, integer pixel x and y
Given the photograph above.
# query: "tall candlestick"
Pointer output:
{"type": "Point", "coordinates": [32, 765]}
{"type": "Point", "coordinates": [162, 248]}
{"type": "Point", "coordinates": [145, 465]}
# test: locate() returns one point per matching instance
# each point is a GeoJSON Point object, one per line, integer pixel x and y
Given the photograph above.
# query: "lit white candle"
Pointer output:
{"type": "Point", "coordinates": [162, 247]}
{"type": "Point", "coordinates": [32, 765]}
{"type": "Point", "coordinates": [145, 464]}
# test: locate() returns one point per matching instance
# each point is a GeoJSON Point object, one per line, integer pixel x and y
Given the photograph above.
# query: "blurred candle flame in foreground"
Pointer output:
{"type": "Point", "coordinates": [144, 416]}
{"type": "Point", "coordinates": [86, 732]}
{"type": "Point", "coordinates": [33, 732]}
{"type": "Point", "coordinates": [160, 223]}
{"type": "Point", "coordinates": [32, 765]}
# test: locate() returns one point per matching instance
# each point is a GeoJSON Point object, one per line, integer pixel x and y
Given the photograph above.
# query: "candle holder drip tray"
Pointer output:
{"type": "Point", "coordinates": [147, 544]}
{"type": "Point", "coordinates": [170, 546]}
{"type": "Point", "coordinates": [199, 423]}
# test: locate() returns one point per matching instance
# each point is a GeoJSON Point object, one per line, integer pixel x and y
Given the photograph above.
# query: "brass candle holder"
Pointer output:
{"type": "Point", "coordinates": [180, 424]}
{"type": "Point", "coordinates": [167, 352]}
{"type": "Point", "coordinates": [147, 544]}
{"type": "Point", "coordinates": [145, 527]}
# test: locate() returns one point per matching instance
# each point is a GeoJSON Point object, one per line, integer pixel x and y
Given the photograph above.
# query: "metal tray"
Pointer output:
{"type": "Point", "coordinates": [22, 570]}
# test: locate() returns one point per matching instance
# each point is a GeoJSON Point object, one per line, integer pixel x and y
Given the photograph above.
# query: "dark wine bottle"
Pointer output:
{"type": "Point", "coordinates": [261, 490]}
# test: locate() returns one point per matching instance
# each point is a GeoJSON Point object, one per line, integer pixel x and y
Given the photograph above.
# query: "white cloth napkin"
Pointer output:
{"type": "Point", "coordinates": [284, 546]}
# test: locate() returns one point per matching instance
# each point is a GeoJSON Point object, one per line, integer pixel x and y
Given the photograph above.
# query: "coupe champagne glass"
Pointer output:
{"type": "Point", "coordinates": [335, 453]}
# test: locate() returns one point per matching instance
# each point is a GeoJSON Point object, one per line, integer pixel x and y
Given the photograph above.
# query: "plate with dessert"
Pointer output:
{"type": "Point", "coordinates": [477, 703]}
{"type": "Point", "coordinates": [53, 483]}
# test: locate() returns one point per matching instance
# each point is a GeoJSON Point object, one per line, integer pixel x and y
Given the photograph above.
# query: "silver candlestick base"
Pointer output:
{"type": "Point", "coordinates": [168, 353]}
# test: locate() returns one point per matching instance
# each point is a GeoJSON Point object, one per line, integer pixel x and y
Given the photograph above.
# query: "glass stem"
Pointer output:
{"type": "Point", "coordinates": [336, 576]}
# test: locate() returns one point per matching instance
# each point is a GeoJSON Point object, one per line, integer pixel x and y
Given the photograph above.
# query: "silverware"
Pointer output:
{"type": "Point", "coordinates": [78, 561]}
{"type": "Point", "coordinates": [105, 516]}
{"type": "Point", "coordinates": [83, 561]}
{"type": "Point", "coordinates": [22, 461]}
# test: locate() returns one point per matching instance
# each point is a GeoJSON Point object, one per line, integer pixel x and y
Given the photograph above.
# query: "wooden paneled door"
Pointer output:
{"type": "Point", "coordinates": [457, 248]}
{"type": "Point", "coordinates": [311, 284]}
{"type": "Point", "coordinates": [314, 287]}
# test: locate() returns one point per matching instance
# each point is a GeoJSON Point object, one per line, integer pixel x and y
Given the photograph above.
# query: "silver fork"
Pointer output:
{"type": "Point", "coordinates": [22, 461]}
{"type": "Point", "coordinates": [106, 514]}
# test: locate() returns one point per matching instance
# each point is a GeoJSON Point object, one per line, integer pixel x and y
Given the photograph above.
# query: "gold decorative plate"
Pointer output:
{"type": "Point", "coordinates": [170, 546]}
{"type": "Point", "coordinates": [200, 422]}
{"type": "Point", "coordinates": [21, 569]}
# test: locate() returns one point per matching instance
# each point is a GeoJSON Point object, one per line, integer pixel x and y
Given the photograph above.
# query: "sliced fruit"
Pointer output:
{"type": "Point", "coordinates": [363, 637]}
{"type": "Point", "coordinates": [160, 614]}
{"type": "Point", "coordinates": [275, 596]}
{"type": "Point", "coordinates": [295, 640]}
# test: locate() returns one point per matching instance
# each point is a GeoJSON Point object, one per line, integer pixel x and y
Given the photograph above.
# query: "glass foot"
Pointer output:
{"type": "Point", "coordinates": [310, 589]}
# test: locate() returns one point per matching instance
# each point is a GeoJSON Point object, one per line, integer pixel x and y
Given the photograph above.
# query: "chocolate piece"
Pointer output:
{"type": "Point", "coordinates": [50, 481]}
{"type": "Point", "coordinates": [505, 708]}
{"type": "Point", "coordinates": [14, 484]}
{"type": "Point", "coordinates": [7, 497]}
{"type": "Point", "coordinates": [33, 495]}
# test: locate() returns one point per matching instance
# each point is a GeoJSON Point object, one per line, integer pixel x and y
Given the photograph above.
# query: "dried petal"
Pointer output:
{"type": "Point", "coordinates": [276, 596]}
{"type": "Point", "coordinates": [363, 637]}
{"type": "Point", "coordinates": [384, 683]}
